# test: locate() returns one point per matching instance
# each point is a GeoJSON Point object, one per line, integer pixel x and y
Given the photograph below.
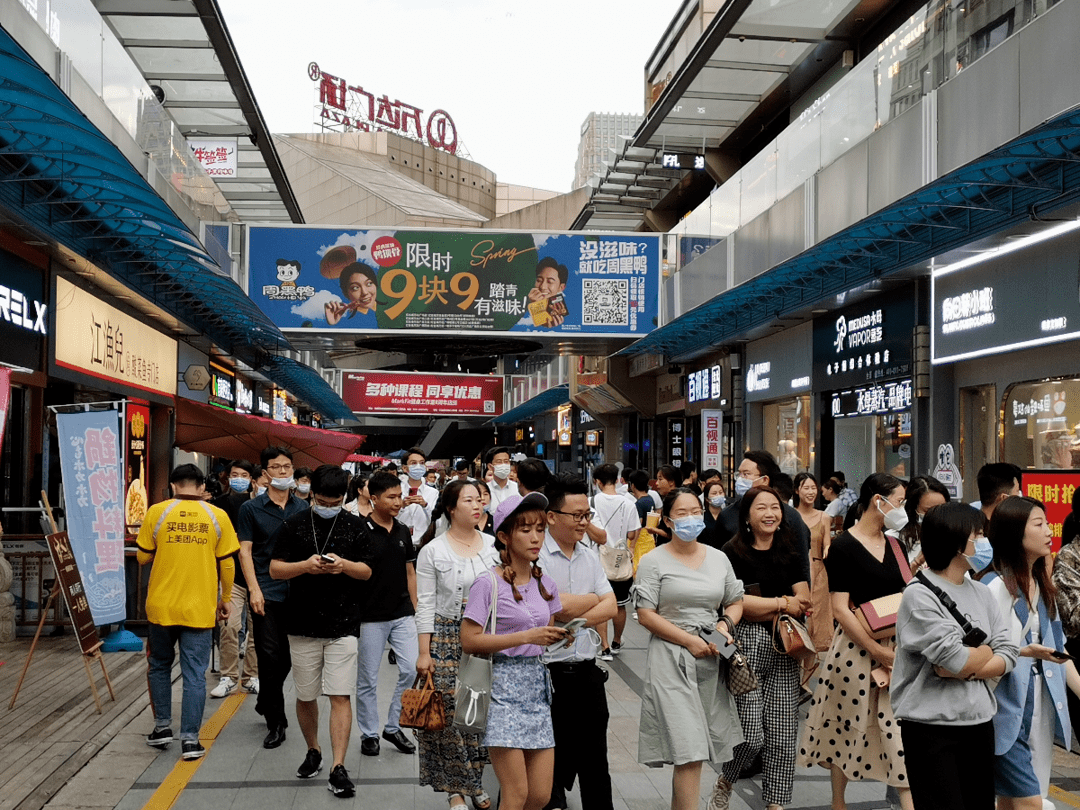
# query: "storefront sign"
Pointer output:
{"type": "Point", "coordinates": [95, 338]}
{"type": "Point", "coordinates": [1056, 490]}
{"type": "Point", "coordinates": [893, 397]}
{"type": "Point", "coordinates": [280, 405]}
{"type": "Point", "coordinates": [711, 423]}
{"type": "Point", "coordinates": [592, 438]}
{"type": "Point", "coordinates": [245, 396]}
{"type": "Point", "coordinates": [422, 394]}
{"type": "Point", "coordinates": [676, 440]}
{"type": "Point", "coordinates": [24, 322]}
{"type": "Point", "coordinates": [780, 366]}
{"type": "Point", "coordinates": [866, 343]}
{"type": "Point", "coordinates": [432, 282]}
{"type": "Point", "coordinates": [564, 422]}
{"type": "Point", "coordinates": [346, 108]}
{"type": "Point", "coordinates": [669, 394]}
{"type": "Point", "coordinates": [1039, 425]}
{"type": "Point", "coordinates": [217, 156]}
{"type": "Point", "coordinates": [264, 398]}
{"type": "Point", "coordinates": [137, 484]}
{"type": "Point", "coordinates": [222, 381]}
{"type": "Point", "coordinates": [1029, 298]}
{"type": "Point", "coordinates": [90, 466]}
{"type": "Point", "coordinates": [705, 385]}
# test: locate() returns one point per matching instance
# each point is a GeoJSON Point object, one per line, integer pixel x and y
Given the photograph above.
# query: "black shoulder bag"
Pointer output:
{"type": "Point", "coordinates": [973, 636]}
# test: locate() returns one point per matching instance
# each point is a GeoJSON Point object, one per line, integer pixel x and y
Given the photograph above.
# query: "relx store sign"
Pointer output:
{"type": "Point", "coordinates": [24, 321]}
{"type": "Point", "coordinates": [866, 343]}
{"type": "Point", "coordinates": [1029, 298]}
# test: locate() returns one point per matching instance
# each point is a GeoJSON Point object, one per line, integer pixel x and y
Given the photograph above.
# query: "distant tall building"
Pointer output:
{"type": "Point", "coordinates": [597, 137]}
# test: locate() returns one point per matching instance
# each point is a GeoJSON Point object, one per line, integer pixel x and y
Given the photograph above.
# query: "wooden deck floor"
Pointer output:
{"type": "Point", "coordinates": [54, 728]}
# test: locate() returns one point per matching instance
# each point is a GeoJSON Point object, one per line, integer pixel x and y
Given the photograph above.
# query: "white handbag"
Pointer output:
{"type": "Point", "coordinates": [472, 694]}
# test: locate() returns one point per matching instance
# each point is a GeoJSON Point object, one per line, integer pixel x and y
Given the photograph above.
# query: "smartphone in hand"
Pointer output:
{"type": "Point", "coordinates": [326, 558]}
{"type": "Point", "coordinates": [571, 627]}
{"type": "Point", "coordinates": [1061, 655]}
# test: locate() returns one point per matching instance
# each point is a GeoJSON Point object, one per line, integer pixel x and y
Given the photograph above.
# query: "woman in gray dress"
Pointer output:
{"type": "Point", "coordinates": [687, 714]}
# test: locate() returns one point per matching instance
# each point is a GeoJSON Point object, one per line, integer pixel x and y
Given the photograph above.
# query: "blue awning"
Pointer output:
{"type": "Point", "coordinates": [1037, 172]}
{"type": "Point", "coordinates": [542, 402]}
{"type": "Point", "coordinates": [62, 177]}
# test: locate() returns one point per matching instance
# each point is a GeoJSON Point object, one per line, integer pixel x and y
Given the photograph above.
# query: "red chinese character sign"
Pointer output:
{"type": "Point", "coordinates": [217, 156]}
{"type": "Point", "coordinates": [91, 469]}
{"type": "Point", "coordinates": [1056, 490]}
{"type": "Point", "coordinates": [422, 394]}
{"type": "Point", "coordinates": [344, 107]}
{"type": "Point", "coordinates": [711, 457]}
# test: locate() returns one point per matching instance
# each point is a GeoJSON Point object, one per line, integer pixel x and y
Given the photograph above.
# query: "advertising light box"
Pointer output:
{"type": "Point", "coordinates": [418, 394]}
{"type": "Point", "coordinates": [471, 282]}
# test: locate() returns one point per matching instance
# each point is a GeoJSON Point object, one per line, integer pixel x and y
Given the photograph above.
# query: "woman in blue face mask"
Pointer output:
{"type": "Point", "coordinates": [714, 499]}
{"type": "Point", "coordinates": [687, 715]}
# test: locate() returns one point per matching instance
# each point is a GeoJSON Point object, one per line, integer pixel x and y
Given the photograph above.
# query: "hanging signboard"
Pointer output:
{"type": "Point", "coordinates": [422, 394]}
{"type": "Point", "coordinates": [217, 156]}
{"type": "Point", "coordinates": [711, 421]}
{"type": "Point", "coordinates": [473, 282]}
{"type": "Point", "coordinates": [137, 451]}
{"type": "Point", "coordinates": [90, 465]}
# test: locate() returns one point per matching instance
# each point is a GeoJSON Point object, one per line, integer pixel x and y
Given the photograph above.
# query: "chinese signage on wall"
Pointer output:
{"type": "Point", "coordinates": [1028, 298]}
{"type": "Point", "coordinates": [866, 343]}
{"type": "Point", "coordinates": [780, 365]}
{"type": "Point", "coordinates": [1040, 425]}
{"type": "Point", "coordinates": [428, 282]}
{"type": "Point", "coordinates": [137, 485]}
{"type": "Point", "coordinates": [564, 420]}
{"type": "Point", "coordinates": [711, 456]}
{"type": "Point", "coordinates": [892, 397]}
{"type": "Point", "coordinates": [1056, 490]}
{"type": "Point", "coordinates": [347, 108]}
{"type": "Point", "coordinates": [90, 465]}
{"type": "Point", "coordinates": [217, 156]}
{"type": "Point", "coordinates": [222, 382]}
{"type": "Point", "coordinates": [98, 339]}
{"type": "Point", "coordinates": [676, 440]}
{"type": "Point", "coordinates": [706, 384]}
{"type": "Point", "coordinates": [422, 394]}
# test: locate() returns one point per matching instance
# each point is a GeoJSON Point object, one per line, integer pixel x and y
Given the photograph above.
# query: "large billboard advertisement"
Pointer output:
{"type": "Point", "coordinates": [416, 394]}
{"type": "Point", "coordinates": [481, 282]}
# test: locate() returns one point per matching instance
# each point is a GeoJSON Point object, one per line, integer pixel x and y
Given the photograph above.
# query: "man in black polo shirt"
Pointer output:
{"type": "Point", "coordinates": [258, 522]}
{"type": "Point", "coordinates": [387, 611]}
{"type": "Point", "coordinates": [321, 553]}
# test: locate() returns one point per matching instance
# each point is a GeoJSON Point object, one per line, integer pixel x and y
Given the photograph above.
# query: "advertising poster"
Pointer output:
{"type": "Point", "coordinates": [481, 282]}
{"type": "Point", "coordinates": [1056, 490]}
{"type": "Point", "coordinates": [137, 487]}
{"type": "Point", "coordinates": [711, 421]}
{"type": "Point", "coordinates": [427, 394]}
{"type": "Point", "coordinates": [90, 467]}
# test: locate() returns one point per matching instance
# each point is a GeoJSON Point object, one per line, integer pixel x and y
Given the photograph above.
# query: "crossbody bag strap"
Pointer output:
{"type": "Point", "coordinates": [901, 560]}
{"type": "Point", "coordinates": [946, 601]}
{"type": "Point", "coordinates": [492, 612]}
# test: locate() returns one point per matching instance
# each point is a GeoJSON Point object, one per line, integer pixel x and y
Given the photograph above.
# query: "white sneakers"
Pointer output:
{"type": "Point", "coordinates": [226, 686]}
{"type": "Point", "coordinates": [251, 685]}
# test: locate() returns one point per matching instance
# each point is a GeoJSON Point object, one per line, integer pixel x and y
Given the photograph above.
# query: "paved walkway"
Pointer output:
{"type": "Point", "coordinates": [238, 774]}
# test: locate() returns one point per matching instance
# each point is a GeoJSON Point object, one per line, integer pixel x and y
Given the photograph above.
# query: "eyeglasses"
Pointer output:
{"type": "Point", "coordinates": [579, 517]}
{"type": "Point", "coordinates": [279, 467]}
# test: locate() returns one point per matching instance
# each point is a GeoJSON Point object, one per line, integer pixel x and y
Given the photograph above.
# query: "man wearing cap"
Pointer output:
{"type": "Point", "coordinates": [579, 710]}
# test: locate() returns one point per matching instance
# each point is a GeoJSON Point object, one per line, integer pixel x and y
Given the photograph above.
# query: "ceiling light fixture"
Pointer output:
{"type": "Point", "coordinates": [1019, 244]}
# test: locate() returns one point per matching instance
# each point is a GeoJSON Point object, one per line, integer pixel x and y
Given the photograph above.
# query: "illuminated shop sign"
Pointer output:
{"type": "Point", "coordinates": [866, 343]}
{"type": "Point", "coordinates": [893, 397]}
{"type": "Point", "coordinates": [222, 382]}
{"type": "Point", "coordinates": [780, 365]}
{"type": "Point", "coordinates": [757, 377]}
{"type": "Point", "coordinates": [706, 384]}
{"type": "Point", "coordinates": [680, 160]}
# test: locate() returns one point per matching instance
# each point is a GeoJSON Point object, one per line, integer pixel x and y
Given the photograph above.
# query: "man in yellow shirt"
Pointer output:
{"type": "Point", "coordinates": [191, 544]}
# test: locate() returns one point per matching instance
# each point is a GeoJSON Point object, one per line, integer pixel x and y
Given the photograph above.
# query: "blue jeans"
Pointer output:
{"type": "Point", "coordinates": [194, 661]}
{"type": "Point", "coordinates": [373, 636]}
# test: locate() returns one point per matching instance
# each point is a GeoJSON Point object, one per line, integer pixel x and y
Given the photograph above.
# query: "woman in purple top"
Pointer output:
{"type": "Point", "coordinates": [519, 735]}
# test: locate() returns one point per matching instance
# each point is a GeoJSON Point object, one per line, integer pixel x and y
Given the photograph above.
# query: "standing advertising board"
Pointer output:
{"type": "Point", "coordinates": [90, 465]}
{"type": "Point", "coordinates": [711, 457]}
{"type": "Point", "coordinates": [1056, 490]}
{"type": "Point", "coordinates": [478, 282]}
{"type": "Point", "coordinates": [414, 393]}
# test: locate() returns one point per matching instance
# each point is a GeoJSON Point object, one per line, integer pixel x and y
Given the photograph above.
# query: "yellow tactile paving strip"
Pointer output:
{"type": "Point", "coordinates": [173, 785]}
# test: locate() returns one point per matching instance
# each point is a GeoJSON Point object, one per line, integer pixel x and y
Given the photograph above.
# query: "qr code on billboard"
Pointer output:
{"type": "Point", "coordinates": [489, 406]}
{"type": "Point", "coordinates": [605, 302]}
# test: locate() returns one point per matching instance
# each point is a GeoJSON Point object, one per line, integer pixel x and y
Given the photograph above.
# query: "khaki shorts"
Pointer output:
{"type": "Point", "coordinates": [323, 666]}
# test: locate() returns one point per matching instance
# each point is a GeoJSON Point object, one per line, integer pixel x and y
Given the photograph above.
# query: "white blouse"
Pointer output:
{"type": "Point", "coordinates": [444, 577]}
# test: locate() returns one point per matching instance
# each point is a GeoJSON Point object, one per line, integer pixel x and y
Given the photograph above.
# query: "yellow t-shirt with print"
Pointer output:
{"type": "Point", "coordinates": [187, 538]}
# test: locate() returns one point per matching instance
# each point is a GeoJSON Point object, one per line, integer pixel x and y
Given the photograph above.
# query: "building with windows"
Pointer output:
{"type": "Point", "coordinates": [599, 136]}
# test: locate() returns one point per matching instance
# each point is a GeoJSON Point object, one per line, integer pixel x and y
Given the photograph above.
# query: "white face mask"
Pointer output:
{"type": "Point", "coordinates": [325, 511]}
{"type": "Point", "coordinates": [502, 471]}
{"type": "Point", "coordinates": [718, 501]}
{"type": "Point", "coordinates": [744, 485]}
{"type": "Point", "coordinates": [282, 483]}
{"type": "Point", "coordinates": [303, 489]}
{"type": "Point", "coordinates": [416, 471]}
{"type": "Point", "coordinates": [260, 490]}
{"type": "Point", "coordinates": [895, 519]}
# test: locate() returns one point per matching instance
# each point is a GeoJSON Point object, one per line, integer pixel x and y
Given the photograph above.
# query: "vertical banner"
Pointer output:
{"type": "Point", "coordinates": [90, 466]}
{"type": "Point", "coordinates": [5, 401]}
{"type": "Point", "coordinates": [710, 439]}
{"type": "Point", "coordinates": [676, 441]}
{"type": "Point", "coordinates": [137, 451]}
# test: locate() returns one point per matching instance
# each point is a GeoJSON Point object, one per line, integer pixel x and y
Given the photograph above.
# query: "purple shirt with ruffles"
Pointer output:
{"type": "Point", "coordinates": [513, 616]}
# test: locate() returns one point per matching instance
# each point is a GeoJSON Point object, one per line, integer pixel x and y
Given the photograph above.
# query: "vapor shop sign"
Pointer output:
{"type": "Point", "coordinates": [97, 339]}
{"type": "Point", "coordinates": [866, 343]}
{"type": "Point", "coordinates": [405, 392]}
{"type": "Point", "coordinates": [472, 282]}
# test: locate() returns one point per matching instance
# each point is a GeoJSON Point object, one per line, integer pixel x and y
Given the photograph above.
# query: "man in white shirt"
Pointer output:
{"type": "Point", "coordinates": [618, 517]}
{"type": "Point", "coordinates": [418, 499]}
{"type": "Point", "coordinates": [501, 487]}
{"type": "Point", "coordinates": [579, 710]}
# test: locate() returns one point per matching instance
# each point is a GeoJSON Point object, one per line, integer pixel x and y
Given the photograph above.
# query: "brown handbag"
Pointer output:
{"type": "Point", "coordinates": [422, 707]}
{"type": "Point", "coordinates": [878, 616]}
{"type": "Point", "coordinates": [794, 637]}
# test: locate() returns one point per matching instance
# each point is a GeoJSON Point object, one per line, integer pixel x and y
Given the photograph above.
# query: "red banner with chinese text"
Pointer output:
{"type": "Point", "coordinates": [1056, 490]}
{"type": "Point", "coordinates": [422, 394]}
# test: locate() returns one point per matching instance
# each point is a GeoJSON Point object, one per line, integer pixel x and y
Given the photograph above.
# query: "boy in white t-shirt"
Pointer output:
{"type": "Point", "coordinates": [618, 517]}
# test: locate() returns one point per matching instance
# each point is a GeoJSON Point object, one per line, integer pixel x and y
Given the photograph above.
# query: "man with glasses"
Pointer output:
{"type": "Point", "coordinates": [258, 522]}
{"type": "Point", "coordinates": [579, 710]}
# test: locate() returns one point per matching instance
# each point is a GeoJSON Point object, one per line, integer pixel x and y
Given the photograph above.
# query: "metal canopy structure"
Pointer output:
{"type": "Point", "coordinates": [184, 48]}
{"type": "Point", "coordinates": [541, 403]}
{"type": "Point", "coordinates": [62, 178]}
{"type": "Point", "coordinates": [1018, 182]}
{"type": "Point", "coordinates": [753, 58]}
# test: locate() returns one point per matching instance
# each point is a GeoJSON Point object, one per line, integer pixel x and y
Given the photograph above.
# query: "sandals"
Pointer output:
{"type": "Point", "coordinates": [450, 800]}
{"type": "Point", "coordinates": [481, 801]}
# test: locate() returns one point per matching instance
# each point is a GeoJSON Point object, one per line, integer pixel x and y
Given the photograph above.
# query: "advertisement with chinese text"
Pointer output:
{"type": "Point", "coordinates": [422, 394]}
{"type": "Point", "coordinates": [482, 282]}
{"type": "Point", "coordinates": [1055, 490]}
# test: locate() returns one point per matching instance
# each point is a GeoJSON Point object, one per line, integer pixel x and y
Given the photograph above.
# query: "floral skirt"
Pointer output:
{"type": "Point", "coordinates": [451, 762]}
{"type": "Point", "coordinates": [520, 712]}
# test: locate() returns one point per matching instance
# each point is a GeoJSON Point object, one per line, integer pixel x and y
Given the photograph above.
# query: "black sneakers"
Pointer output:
{"type": "Point", "coordinates": [311, 765]}
{"type": "Point", "coordinates": [160, 738]}
{"type": "Point", "coordinates": [192, 749]}
{"type": "Point", "coordinates": [340, 783]}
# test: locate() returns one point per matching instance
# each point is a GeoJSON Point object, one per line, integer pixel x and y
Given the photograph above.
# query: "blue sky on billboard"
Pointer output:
{"type": "Point", "coordinates": [518, 79]}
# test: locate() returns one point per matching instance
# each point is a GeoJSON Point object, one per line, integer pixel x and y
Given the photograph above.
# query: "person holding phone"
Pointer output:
{"type": "Point", "coordinates": [687, 714]}
{"type": "Point", "coordinates": [940, 690]}
{"type": "Point", "coordinates": [764, 552]}
{"type": "Point", "coordinates": [519, 735]}
{"type": "Point", "coordinates": [1032, 710]}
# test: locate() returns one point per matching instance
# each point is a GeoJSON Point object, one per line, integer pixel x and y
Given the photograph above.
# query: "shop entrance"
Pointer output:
{"type": "Point", "coordinates": [863, 445]}
{"type": "Point", "coordinates": [978, 434]}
